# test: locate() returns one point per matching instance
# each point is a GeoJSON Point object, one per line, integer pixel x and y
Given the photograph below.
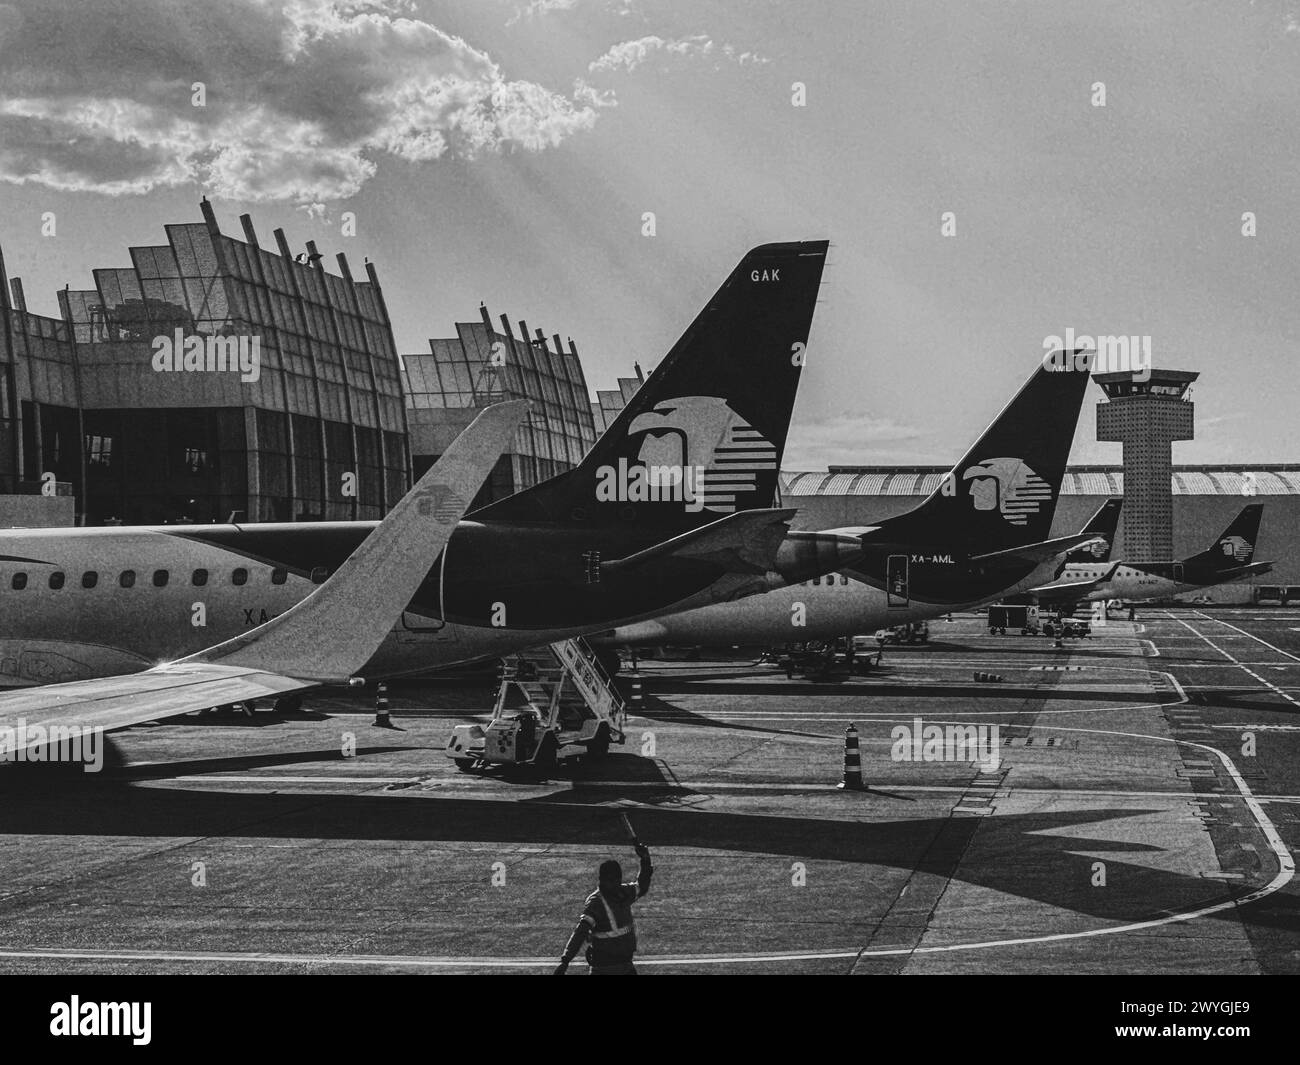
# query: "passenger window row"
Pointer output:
{"type": "Point", "coordinates": [830, 579]}
{"type": "Point", "coordinates": [161, 577]}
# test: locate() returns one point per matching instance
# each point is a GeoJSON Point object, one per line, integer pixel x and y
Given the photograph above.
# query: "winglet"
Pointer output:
{"type": "Point", "coordinates": [331, 634]}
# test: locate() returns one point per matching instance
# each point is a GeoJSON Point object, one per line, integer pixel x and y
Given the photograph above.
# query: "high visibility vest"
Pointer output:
{"type": "Point", "coordinates": [618, 943]}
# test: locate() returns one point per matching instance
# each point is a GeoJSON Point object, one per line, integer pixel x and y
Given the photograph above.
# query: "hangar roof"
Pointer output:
{"type": "Point", "coordinates": [1269, 480]}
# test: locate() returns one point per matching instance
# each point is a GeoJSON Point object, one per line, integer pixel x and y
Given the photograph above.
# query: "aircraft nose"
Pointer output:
{"type": "Point", "coordinates": [804, 555]}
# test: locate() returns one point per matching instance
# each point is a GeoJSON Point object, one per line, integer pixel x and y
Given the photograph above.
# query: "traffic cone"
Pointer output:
{"type": "Point", "coordinates": [381, 707]}
{"type": "Point", "coordinates": [852, 762]}
{"type": "Point", "coordinates": [636, 691]}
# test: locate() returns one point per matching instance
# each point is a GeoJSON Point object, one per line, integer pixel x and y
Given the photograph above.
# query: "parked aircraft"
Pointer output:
{"type": "Point", "coordinates": [981, 535]}
{"type": "Point", "coordinates": [669, 510]}
{"type": "Point", "coordinates": [322, 639]}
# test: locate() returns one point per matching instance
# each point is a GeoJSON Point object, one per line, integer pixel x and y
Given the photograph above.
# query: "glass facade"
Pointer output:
{"type": "Point", "coordinates": [482, 365]}
{"type": "Point", "coordinates": [283, 400]}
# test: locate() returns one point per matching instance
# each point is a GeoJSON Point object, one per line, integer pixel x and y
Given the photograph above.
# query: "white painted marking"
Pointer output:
{"type": "Point", "coordinates": [1286, 871]}
{"type": "Point", "coordinates": [1236, 661]}
{"type": "Point", "coordinates": [1271, 647]}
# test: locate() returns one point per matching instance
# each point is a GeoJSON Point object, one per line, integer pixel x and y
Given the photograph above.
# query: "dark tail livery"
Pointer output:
{"type": "Point", "coordinates": [704, 436]}
{"type": "Point", "coordinates": [1102, 524]}
{"type": "Point", "coordinates": [1003, 492]}
{"type": "Point", "coordinates": [1234, 549]}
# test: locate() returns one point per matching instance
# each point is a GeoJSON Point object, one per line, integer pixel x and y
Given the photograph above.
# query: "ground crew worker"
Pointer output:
{"type": "Point", "coordinates": [607, 921]}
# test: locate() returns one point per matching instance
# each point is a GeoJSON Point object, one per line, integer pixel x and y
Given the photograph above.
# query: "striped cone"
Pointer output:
{"type": "Point", "coordinates": [381, 707]}
{"type": "Point", "coordinates": [852, 762]}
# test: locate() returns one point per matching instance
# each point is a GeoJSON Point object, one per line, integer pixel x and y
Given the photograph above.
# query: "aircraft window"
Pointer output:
{"type": "Point", "coordinates": [817, 580]}
{"type": "Point", "coordinates": [160, 577]}
{"type": "Point", "coordinates": [56, 579]}
{"type": "Point", "coordinates": [89, 579]}
{"type": "Point", "coordinates": [843, 579]}
{"type": "Point", "coordinates": [279, 576]}
{"type": "Point", "coordinates": [199, 578]}
{"type": "Point", "coordinates": [127, 580]}
{"type": "Point", "coordinates": [239, 576]}
{"type": "Point", "coordinates": [19, 582]}
{"type": "Point", "coordinates": [318, 574]}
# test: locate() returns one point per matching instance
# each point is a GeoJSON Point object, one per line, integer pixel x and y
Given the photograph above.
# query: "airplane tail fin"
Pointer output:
{"type": "Point", "coordinates": [1003, 492]}
{"type": "Point", "coordinates": [704, 435]}
{"type": "Point", "coordinates": [1235, 546]}
{"type": "Point", "coordinates": [1102, 524]}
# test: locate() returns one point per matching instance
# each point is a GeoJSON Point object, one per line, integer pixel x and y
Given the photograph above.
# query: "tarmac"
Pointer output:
{"type": "Point", "coordinates": [1136, 811]}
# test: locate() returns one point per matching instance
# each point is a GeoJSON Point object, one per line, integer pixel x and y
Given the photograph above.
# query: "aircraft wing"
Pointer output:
{"type": "Point", "coordinates": [746, 542]}
{"type": "Point", "coordinates": [1237, 572]}
{"type": "Point", "coordinates": [325, 638]}
{"type": "Point", "coordinates": [1043, 551]}
{"type": "Point", "coordinates": [1072, 591]}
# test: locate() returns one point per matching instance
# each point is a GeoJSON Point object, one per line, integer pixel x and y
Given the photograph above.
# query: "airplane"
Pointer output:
{"type": "Point", "coordinates": [324, 638]}
{"type": "Point", "coordinates": [1229, 558]}
{"type": "Point", "coordinates": [982, 534]}
{"type": "Point", "coordinates": [1085, 569]}
{"type": "Point", "coordinates": [670, 509]}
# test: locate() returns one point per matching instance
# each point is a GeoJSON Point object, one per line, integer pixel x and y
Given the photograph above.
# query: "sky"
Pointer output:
{"type": "Point", "coordinates": [506, 151]}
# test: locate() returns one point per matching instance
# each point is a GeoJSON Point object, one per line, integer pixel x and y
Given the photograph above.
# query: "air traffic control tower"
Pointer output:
{"type": "Point", "coordinates": [1146, 416]}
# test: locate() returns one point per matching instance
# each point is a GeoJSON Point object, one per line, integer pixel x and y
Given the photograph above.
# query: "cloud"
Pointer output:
{"type": "Point", "coordinates": [587, 94]}
{"type": "Point", "coordinates": [628, 55]}
{"type": "Point", "coordinates": [538, 8]}
{"type": "Point", "coordinates": [303, 98]}
{"type": "Point", "coordinates": [541, 7]}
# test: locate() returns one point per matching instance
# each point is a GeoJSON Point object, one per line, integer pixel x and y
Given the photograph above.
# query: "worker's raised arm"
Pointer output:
{"type": "Point", "coordinates": [647, 870]}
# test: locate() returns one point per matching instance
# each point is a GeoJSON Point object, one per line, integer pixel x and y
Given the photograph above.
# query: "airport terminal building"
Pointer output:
{"type": "Point", "coordinates": [458, 376]}
{"type": "Point", "coordinates": [209, 378]}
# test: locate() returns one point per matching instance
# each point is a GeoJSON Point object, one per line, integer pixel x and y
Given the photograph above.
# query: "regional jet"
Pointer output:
{"type": "Point", "coordinates": [981, 535]}
{"type": "Point", "coordinates": [669, 510]}
{"type": "Point", "coordinates": [1229, 558]}
{"type": "Point", "coordinates": [1086, 568]}
{"type": "Point", "coordinates": [325, 638]}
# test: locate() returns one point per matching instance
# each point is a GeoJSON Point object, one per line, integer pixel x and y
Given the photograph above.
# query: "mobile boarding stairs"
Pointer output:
{"type": "Point", "coordinates": [554, 702]}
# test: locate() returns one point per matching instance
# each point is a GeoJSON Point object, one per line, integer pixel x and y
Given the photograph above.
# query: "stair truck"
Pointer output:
{"type": "Point", "coordinates": [554, 702]}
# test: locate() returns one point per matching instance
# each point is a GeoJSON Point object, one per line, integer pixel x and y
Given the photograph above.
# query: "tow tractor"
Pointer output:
{"type": "Point", "coordinates": [1067, 628]}
{"type": "Point", "coordinates": [908, 632]}
{"type": "Point", "coordinates": [555, 702]}
{"type": "Point", "coordinates": [821, 658]}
